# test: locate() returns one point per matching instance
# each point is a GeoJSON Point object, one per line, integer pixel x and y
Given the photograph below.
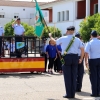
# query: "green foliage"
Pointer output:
{"type": "Point", "coordinates": [89, 24]}
{"type": "Point", "coordinates": [29, 30]}
{"type": "Point", "coordinates": [9, 31]}
{"type": "Point", "coordinates": [55, 32]}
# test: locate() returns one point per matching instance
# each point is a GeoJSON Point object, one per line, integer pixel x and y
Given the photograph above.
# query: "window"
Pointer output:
{"type": "Point", "coordinates": [63, 15]}
{"type": "Point", "coordinates": [31, 16]}
{"type": "Point", "coordinates": [95, 8]}
{"type": "Point", "coordinates": [16, 15]}
{"type": "Point", "coordinates": [59, 16]}
{"type": "Point", "coordinates": [2, 15]}
{"type": "Point", "coordinates": [67, 15]}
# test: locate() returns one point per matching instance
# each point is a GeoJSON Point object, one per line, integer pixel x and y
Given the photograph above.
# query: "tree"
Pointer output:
{"type": "Point", "coordinates": [9, 31]}
{"type": "Point", "coordinates": [89, 24]}
{"type": "Point", "coordinates": [55, 32]}
{"type": "Point", "coordinates": [30, 30]}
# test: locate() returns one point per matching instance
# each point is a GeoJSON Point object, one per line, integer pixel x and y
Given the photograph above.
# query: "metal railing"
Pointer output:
{"type": "Point", "coordinates": [31, 46]}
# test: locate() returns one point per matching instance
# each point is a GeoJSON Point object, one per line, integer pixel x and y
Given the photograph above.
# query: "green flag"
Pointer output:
{"type": "Point", "coordinates": [39, 25]}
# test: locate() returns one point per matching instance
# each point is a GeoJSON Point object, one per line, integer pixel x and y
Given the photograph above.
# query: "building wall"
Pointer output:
{"type": "Point", "coordinates": [92, 6]}
{"type": "Point", "coordinates": [81, 9]}
{"type": "Point", "coordinates": [64, 6]}
{"type": "Point", "coordinates": [10, 11]}
{"type": "Point", "coordinates": [59, 7]}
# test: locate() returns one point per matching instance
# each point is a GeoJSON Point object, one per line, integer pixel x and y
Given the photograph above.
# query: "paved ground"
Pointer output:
{"type": "Point", "coordinates": [28, 86]}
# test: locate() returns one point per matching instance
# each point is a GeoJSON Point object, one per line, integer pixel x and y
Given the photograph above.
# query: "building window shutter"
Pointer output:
{"type": "Point", "coordinates": [2, 14]}
{"type": "Point", "coordinates": [59, 16]}
{"type": "Point", "coordinates": [67, 15]}
{"type": "Point", "coordinates": [63, 15]}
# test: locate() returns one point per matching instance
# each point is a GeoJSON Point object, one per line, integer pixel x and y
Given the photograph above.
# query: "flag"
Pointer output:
{"type": "Point", "coordinates": [40, 24]}
{"type": "Point", "coordinates": [20, 45]}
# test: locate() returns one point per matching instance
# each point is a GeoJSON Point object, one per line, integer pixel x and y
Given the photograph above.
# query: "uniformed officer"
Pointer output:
{"type": "Point", "coordinates": [19, 33]}
{"type": "Point", "coordinates": [80, 69]}
{"type": "Point", "coordinates": [1, 34]}
{"type": "Point", "coordinates": [92, 51]}
{"type": "Point", "coordinates": [43, 53]}
{"type": "Point", "coordinates": [71, 61]}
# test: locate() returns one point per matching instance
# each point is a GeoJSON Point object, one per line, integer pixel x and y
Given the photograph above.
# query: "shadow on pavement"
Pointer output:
{"type": "Point", "coordinates": [23, 75]}
{"type": "Point", "coordinates": [83, 93]}
{"type": "Point", "coordinates": [74, 99]}
{"type": "Point", "coordinates": [66, 99]}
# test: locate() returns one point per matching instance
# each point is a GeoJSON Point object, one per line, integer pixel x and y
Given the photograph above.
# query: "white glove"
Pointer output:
{"type": "Point", "coordinates": [50, 34]}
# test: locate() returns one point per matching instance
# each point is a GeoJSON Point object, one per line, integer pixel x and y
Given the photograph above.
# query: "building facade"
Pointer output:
{"type": "Point", "coordinates": [59, 13]}
{"type": "Point", "coordinates": [63, 13]}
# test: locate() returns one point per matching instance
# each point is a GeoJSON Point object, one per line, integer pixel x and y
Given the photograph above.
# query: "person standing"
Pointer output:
{"type": "Point", "coordinates": [80, 69]}
{"type": "Point", "coordinates": [43, 53]}
{"type": "Point", "coordinates": [19, 33]}
{"type": "Point", "coordinates": [1, 35]}
{"type": "Point", "coordinates": [51, 54]}
{"type": "Point", "coordinates": [92, 52]}
{"type": "Point", "coordinates": [71, 60]}
{"type": "Point", "coordinates": [57, 62]}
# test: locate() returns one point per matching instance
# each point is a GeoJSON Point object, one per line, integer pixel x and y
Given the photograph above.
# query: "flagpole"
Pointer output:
{"type": "Point", "coordinates": [48, 29]}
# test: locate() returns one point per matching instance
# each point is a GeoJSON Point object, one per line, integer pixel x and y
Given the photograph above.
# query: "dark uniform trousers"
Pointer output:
{"type": "Point", "coordinates": [18, 39]}
{"type": "Point", "coordinates": [80, 73]}
{"type": "Point", "coordinates": [45, 55]}
{"type": "Point", "coordinates": [70, 74]}
{"type": "Point", "coordinates": [45, 62]}
{"type": "Point", "coordinates": [51, 63]}
{"type": "Point", "coordinates": [0, 46]}
{"type": "Point", "coordinates": [57, 64]}
{"type": "Point", "coordinates": [94, 65]}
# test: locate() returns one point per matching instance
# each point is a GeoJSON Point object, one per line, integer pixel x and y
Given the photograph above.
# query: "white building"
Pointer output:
{"type": "Point", "coordinates": [61, 13]}
{"type": "Point", "coordinates": [12, 9]}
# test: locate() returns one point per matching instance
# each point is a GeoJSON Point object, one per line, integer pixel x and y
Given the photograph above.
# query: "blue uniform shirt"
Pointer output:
{"type": "Point", "coordinates": [79, 52]}
{"type": "Point", "coordinates": [43, 48]}
{"type": "Point", "coordinates": [51, 51]}
{"type": "Point", "coordinates": [1, 31]}
{"type": "Point", "coordinates": [59, 48]}
{"type": "Point", "coordinates": [93, 48]}
{"type": "Point", "coordinates": [18, 29]}
{"type": "Point", "coordinates": [65, 42]}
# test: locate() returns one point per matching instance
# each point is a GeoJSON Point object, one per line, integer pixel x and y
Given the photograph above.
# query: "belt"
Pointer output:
{"type": "Point", "coordinates": [18, 35]}
{"type": "Point", "coordinates": [72, 54]}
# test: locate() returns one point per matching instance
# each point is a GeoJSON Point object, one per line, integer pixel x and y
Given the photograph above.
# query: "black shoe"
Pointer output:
{"type": "Point", "coordinates": [78, 90]}
{"type": "Point", "coordinates": [67, 97]}
{"type": "Point", "coordinates": [93, 95]}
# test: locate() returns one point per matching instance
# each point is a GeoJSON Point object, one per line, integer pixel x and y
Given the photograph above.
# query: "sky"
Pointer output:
{"type": "Point", "coordinates": [37, 0]}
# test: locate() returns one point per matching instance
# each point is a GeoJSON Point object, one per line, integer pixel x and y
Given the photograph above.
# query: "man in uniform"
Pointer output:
{"type": "Point", "coordinates": [1, 34]}
{"type": "Point", "coordinates": [92, 51]}
{"type": "Point", "coordinates": [80, 69]}
{"type": "Point", "coordinates": [71, 61]}
{"type": "Point", "coordinates": [19, 33]}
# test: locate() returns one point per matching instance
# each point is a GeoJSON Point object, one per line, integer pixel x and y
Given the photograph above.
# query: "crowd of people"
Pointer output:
{"type": "Point", "coordinates": [73, 68]}
{"type": "Point", "coordinates": [70, 49]}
